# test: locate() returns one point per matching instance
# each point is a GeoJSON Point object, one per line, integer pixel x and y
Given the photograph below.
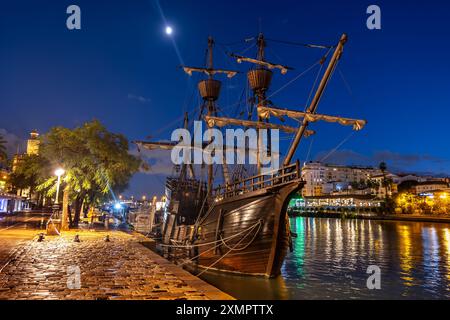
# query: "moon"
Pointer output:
{"type": "Point", "coordinates": [169, 30]}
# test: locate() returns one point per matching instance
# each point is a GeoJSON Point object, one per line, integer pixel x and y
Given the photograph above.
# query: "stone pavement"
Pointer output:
{"type": "Point", "coordinates": [12, 240]}
{"type": "Point", "coordinates": [16, 230]}
{"type": "Point", "coordinates": [120, 269]}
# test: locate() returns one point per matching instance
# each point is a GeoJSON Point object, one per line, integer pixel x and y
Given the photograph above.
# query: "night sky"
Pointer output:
{"type": "Point", "coordinates": [122, 69]}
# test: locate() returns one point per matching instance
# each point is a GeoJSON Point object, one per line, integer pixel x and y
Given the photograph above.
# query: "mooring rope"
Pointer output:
{"type": "Point", "coordinates": [222, 241]}
{"type": "Point", "coordinates": [228, 252]}
{"type": "Point", "coordinates": [248, 244]}
{"type": "Point", "coordinates": [211, 242]}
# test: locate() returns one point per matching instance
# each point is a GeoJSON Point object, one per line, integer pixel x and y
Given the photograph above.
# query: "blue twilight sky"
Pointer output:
{"type": "Point", "coordinates": [122, 69]}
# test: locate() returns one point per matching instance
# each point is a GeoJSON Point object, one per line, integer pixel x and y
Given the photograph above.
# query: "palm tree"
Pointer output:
{"type": "Point", "coordinates": [3, 154]}
{"type": "Point", "coordinates": [383, 168]}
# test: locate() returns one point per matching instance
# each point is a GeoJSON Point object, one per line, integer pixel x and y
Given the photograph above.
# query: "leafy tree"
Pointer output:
{"type": "Point", "coordinates": [3, 154]}
{"type": "Point", "coordinates": [30, 171]}
{"type": "Point", "coordinates": [383, 168]}
{"type": "Point", "coordinates": [388, 203]}
{"type": "Point", "coordinates": [372, 184]}
{"type": "Point", "coordinates": [96, 163]}
{"type": "Point", "coordinates": [407, 185]}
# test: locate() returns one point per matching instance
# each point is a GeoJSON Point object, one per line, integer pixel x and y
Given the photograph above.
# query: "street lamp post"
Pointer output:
{"type": "Point", "coordinates": [58, 172]}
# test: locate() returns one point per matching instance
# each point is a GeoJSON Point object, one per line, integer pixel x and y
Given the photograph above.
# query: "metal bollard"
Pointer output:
{"type": "Point", "coordinates": [41, 237]}
{"type": "Point", "coordinates": [77, 238]}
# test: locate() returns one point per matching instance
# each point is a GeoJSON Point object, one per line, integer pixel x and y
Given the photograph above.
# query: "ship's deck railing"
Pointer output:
{"type": "Point", "coordinates": [176, 183]}
{"type": "Point", "coordinates": [271, 179]}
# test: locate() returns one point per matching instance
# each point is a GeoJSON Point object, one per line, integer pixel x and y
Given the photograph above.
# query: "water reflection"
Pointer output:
{"type": "Point", "coordinates": [331, 257]}
{"type": "Point", "coordinates": [445, 235]}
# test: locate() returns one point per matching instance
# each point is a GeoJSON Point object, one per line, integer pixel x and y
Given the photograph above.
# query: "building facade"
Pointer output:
{"type": "Point", "coordinates": [429, 187]}
{"type": "Point", "coordinates": [4, 180]}
{"type": "Point", "coordinates": [10, 203]}
{"type": "Point", "coordinates": [324, 179]}
{"type": "Point", "coordinates": [342, 201]}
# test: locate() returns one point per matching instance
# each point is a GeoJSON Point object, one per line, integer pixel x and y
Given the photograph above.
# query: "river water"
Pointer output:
{"type": "Point", "coordinates": [331, 258]}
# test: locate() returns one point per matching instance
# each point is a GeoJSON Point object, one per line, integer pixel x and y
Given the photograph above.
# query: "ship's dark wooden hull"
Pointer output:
{"type": "Point", "coordinates": [258, 226]}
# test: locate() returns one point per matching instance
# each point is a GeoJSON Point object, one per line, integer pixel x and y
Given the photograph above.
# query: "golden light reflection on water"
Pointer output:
{"type": "Point", "coordinates": [377, 240]}
{"type": "Point", "coordinates": [328, 243]}
{"type": "Point", "coordinates": [405, 250]}
{"type": "Point", "coordinates": [446, 246]}
{"type": "Point", "coordinates": [339, 240]}
{"type": "Point", "coordinates": [330, 257]}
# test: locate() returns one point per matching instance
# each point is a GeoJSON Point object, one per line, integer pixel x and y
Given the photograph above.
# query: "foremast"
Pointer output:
{"type": "Point", "coordinates": [315, 101]}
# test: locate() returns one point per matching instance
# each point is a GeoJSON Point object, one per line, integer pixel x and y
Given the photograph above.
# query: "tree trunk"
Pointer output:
{"type": "Point", "coordinates": [78, 207]}
{"type": "Point", "coordinates": [65, 209]}
{"type": "Point", "coordinates": [70, 217]}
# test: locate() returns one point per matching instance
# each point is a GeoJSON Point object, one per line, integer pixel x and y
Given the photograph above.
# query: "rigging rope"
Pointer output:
{"type": "Point", "coordinates": [315, 81]}
{"type": "Point", "coordinates": [338, 146]}
{"type": "Point", "coordinates": [309, 149]}
{"type": "Point", "coordinates": [299, 44]}
{"type": "Point", "coordinates": [322, 60]}
{"type": "Point", "coordinates": [349, 89]}
{"type": "Point", "coordinates": [292, 80]}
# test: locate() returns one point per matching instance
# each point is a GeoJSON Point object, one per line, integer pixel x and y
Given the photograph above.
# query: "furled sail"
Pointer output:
{"type": "Point", "coordinates": [156, 145]}
{"type": "Point", "coordinates": [209, 71]}
{"type": "Point", "coordinates": [283, 69]}
{"type": "Point", "coordinates": [170, 145]}
{"type": "Point", "coordinates": [221, 122]}
{"type": "Point", "coordinates": [265, 113]}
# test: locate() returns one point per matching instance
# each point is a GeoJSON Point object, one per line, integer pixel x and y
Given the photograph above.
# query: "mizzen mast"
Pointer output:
{"type": "Point", "coordinates": [209, 90]}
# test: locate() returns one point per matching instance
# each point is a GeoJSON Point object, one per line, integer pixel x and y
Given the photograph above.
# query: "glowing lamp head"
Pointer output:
{"type": "Point", "coordinates": [59, 172]}
{"type": "Point", "coordinates": [117, 206]}
{"type": "Point", "coordinates": [169, 30]}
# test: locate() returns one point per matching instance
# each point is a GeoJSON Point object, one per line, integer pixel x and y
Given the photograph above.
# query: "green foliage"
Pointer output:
{"type": "Point", "coordinates": [407, 185]}
{"type": "Point", "coordinates": [31, 170]}
{"type": "Point", "coordinates": [410, 203]}
{"type": "Point", "coordinates": [3, 154]}
{"type": "Point", "coordinates": [96, 161]}
{"type": "Point", "coordinates": [364, 184]}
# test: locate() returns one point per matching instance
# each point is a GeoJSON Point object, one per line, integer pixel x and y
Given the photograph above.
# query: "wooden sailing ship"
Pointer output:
{"type": "Point", "coordinates": [242, 225]}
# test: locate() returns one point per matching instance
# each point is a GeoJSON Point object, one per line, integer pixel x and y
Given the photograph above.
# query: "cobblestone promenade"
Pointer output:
{"type": "Point", "coordinates": [119, 269]}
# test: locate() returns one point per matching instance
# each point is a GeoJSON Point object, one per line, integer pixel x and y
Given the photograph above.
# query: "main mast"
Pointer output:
{"type": "Point", "coordinates": [259, 80]}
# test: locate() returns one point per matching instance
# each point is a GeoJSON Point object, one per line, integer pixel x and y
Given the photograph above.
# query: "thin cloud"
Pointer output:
{"type": "Point", "coordinates": [138, 98]}
{"type": "Point", "coordinates": [405, 159]}
{"type": "Point", "coordinates": [13, 142]}
{"type": "Point", "coordinates": [159, 161]}
{"type": "Point", "coordinates": [397, 162]}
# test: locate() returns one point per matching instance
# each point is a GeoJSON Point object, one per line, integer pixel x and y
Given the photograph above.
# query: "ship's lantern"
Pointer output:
{"type": "Point", "coordinates": [259, 79]}
{"type": "Point", "coordinates": [209, 89]}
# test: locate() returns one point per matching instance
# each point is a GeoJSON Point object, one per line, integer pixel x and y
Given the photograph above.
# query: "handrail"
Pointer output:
{"type": "Point", "coordinates": [274, 178]}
